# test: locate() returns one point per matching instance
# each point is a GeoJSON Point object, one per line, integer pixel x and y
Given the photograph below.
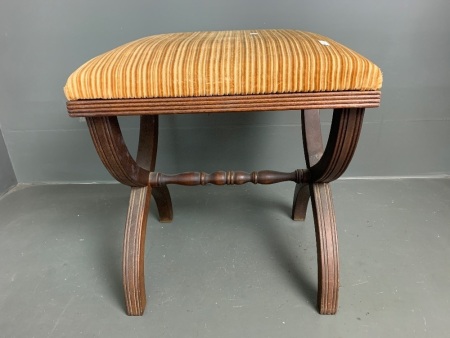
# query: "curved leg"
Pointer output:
{"type": "Point", "coordinates": [108, 140]}
{"type": "Point", "coordinates": [111, 148]}
{"type": "Point", "coordinates": [134, 251]}
{"type": "Point", "coordinates": [313, 148]}
{"type": "Point", "coordinates": [147, 150]}
{"type": "Point", "coordinates": [327, 248]}
{"type": "Point", "coordinates": [300, 204]}
{"type": "Point", "coordinates": [163, 203]}
{"type": "Point", "coordinates": [136, 224]}
{"type": "Point", "coordinates": [344, 135]}
{"type": "Point", "coordinates": [326, 166]}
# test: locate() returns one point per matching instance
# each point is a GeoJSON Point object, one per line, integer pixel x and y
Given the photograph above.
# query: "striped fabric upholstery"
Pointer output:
{"type": "Point", "coordinates": [223, 63]}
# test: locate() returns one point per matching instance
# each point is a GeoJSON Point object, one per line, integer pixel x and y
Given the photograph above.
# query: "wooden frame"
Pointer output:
{"type": "Point", "coordinates": [224, 104]}
{"type": "Point", "coordinates": [323, 166]}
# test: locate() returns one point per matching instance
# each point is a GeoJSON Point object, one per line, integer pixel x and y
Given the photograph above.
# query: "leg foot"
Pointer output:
{"type": "Point", "coordinates": [163, 203]}
{"type": "Point", "coordinates": [327, 248]}
{"type": "Point", "coordinates": [300, 204]}
{"type": "Point", "coordinates": [134, 251]}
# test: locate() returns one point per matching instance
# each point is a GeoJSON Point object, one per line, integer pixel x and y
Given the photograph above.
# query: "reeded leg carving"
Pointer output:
{"type": "Point", "coordinates": [135, 228]}
{"type": "Point", "coordinates": [111, 148]}
{"type": "Point", "coordinates": [108, 140]}
{"type": "Point", "coordinates": [327, 248]}
{"type": "Point", "coordinates": [134, 251]}
{"type": "Point", "coordinates": [325, 166]}
{"type": "Point", "coordinates": [344, 135]}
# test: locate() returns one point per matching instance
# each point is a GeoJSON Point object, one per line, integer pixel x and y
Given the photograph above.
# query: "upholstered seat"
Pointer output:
{"type": "Point", "coordinates": [223, 63]}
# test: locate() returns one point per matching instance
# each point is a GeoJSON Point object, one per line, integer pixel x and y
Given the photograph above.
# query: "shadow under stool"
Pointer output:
{"type": "Point", "coordinates": [217, 72]}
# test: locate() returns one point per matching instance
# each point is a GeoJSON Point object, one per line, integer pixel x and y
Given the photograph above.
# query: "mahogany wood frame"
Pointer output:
{"type": "Point", "coordinates": [323, 166]}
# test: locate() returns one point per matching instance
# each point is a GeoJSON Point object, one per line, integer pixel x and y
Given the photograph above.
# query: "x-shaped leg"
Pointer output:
{"type": "Point", "coordinates": [325, 166]}
{"type": "Point", "coordinates": [108, 140]}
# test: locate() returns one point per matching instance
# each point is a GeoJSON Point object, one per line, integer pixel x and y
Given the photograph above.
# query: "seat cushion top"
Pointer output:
{"type": "Point", "coordinates": [223, 63]}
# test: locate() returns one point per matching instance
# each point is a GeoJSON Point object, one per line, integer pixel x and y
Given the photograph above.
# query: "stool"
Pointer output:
{"type": "Point", "coordinates": [217, 72]}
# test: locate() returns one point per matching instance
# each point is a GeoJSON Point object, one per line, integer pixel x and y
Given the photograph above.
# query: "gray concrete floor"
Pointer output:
{"type": "Point", "coordinates": [232, 263]}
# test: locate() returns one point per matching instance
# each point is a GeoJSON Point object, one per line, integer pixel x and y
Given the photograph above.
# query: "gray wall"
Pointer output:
{"type": "Point", "coordinates": [43, 41]}
{"type": "Point", "coordinates": [7, 176]}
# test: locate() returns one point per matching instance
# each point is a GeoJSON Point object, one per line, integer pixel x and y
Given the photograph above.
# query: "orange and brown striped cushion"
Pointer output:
{"type": "Point", "coordinates": [223, 63]}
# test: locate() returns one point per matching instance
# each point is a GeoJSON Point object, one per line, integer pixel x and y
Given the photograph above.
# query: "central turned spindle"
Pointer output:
{"type": "Point", "coordinates": [228, 178]}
